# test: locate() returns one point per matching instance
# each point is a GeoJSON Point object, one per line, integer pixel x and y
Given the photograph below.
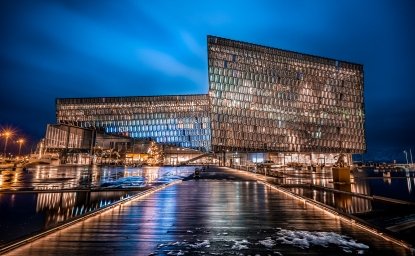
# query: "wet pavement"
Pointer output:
{"type": "Point", "coordinates": [224, 212]}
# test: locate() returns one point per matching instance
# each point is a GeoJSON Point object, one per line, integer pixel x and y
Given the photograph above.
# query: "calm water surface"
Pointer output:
{"type": "Point", "coordinates": [28, 210]}
{"type": "Point", "coordinates": [392, 184]}
{"type": "Point", "coordinates": [371, 182]}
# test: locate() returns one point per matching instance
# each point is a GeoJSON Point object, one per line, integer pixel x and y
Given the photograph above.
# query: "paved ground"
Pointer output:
{"type": "Point", "coordinates": [225, 212]}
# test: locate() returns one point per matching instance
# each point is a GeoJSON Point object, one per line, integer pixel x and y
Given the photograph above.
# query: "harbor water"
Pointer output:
{"type": "Point", "coordinates": [27, 206]}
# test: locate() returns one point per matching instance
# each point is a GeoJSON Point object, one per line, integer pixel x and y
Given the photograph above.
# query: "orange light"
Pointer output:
{"type": "Point", "coordinates": [7, 133]}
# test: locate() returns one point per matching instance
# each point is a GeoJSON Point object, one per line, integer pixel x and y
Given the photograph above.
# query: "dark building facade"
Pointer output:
{"type": "Point", "coordinates": [260, 99]}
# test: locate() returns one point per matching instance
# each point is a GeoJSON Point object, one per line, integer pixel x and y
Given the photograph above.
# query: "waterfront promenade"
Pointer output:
{"type": "Point", "coordinates": [225, 212]}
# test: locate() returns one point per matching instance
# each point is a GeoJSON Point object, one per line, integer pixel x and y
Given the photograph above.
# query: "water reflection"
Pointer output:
{"type": "Point", "coordinates": [23, 212]}
{"type": "Point", "coordinates": [393, 183]}
{"type": "Point", "coordinates": [344, 202]}
{"type": "Point", "coordinates": [349, 196]}
{"type": "Point", "coordinates": [71, 177]}
{"type": "Point", "coordinates": [58, 207]}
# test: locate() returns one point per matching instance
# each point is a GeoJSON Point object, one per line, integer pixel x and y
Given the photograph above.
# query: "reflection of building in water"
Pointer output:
{"type": "Point", "coordinates": [151, 173]}
{"type": "Point", "coordinates": [360, 186]}
{"type": "Point", "coordinates": [10, 179]}
{"type": "Point", "coordinates": [4, 181]}
{"type": "Point", "coordinates": [343, 201]}
{"type": "Point", "coordinates": [51, 177]}
{"type": "Point", "coordinates": [102, 198]}
{"type": "Point", "coordinates": [387, 177]}
{"type": "Point", "coordinates": [58, 207]}
{"type": "Point", "coordinates": [347, 203]}
{"type": "Point", "coordinates": [360, 205]}
{"type": "Point", "coordinates": [353, 204]}
{"type": "Point", "coordinates": [47, 177]}
{"type": "Point", "coordinates": [408, 182]}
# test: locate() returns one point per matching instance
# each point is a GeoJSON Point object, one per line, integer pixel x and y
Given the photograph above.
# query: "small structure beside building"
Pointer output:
{"type": "Point", "coordinates": [77, 145]}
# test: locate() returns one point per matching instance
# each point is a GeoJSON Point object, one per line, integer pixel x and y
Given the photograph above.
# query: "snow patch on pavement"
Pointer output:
{"type": "Point", "coordinates": [305, 239]}
{"type": "Point", "coordinates": [204, 243]}
{"type": "Point", "coordinates": [240, 245]}
{"type": "Point", "coordinates": [296, 238]}
{"type": "Point", "coordinates": [268, 242]}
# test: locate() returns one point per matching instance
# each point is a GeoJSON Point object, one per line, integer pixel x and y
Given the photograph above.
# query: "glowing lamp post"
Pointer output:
{"type": "Point", "coordinates": [6, 134]}
{"type": "Point", "coordinates": [20, 141]}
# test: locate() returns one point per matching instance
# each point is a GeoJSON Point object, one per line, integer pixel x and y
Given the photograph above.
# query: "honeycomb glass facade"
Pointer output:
{"type": "Point", "coordinates": [267, 99]}
{"type": "Point", "coordinates": [260, 99]}
{"type": "Point", "coordinates": [181, 120]}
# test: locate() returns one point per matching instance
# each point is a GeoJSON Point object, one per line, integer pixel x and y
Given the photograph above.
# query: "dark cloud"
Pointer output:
{"type": "Point", "coordinates": [52, 49]}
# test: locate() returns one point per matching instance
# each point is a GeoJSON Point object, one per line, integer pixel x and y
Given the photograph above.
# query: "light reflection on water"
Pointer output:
{"type": "Point", "coordinates": [58, 207]}
{"type": "Point", "coordinates": [344, 202]}
{"type": "Point", "coordinates": [21, 214]}
{"type": "Point", "coordinates": [24, 213]}
{"type": "Point", "coordinates": [391, 183]}
{"type": "Point", "coordinates": [70, 177]}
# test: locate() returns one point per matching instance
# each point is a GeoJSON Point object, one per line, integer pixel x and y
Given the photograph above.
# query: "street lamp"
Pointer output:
{"type": "Point", "coordinates": [6, 134]}
{"type": "Point", "coordinates": [20, 141]}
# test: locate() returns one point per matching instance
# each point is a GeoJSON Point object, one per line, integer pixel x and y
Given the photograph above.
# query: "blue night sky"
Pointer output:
{"type": "Point", "coordinates": [51, 49]}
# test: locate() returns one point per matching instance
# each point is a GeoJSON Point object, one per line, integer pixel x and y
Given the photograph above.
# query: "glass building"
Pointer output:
{"type": "Point", "coordinates": [260, 99]}
{"type": "Point", "coordinates": [181, 120]}
{"type": "Point", "coordinates": [267, 99]}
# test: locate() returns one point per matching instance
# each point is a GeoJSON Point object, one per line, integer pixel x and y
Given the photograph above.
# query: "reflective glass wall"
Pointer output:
{"type": "Point", "coordinates": [266, 99]}
{"type": "Point", "coordinates": [180, 120]}
{"type": "Point", "coordinates": [260, 99]}
{"type": "Point", "coordinates": [67, 137]}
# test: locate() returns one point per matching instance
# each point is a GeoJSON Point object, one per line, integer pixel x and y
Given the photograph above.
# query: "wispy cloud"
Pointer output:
{"type": "Point", "coordinates": [193, 45]}
{"type": "Point", "coordinates": [166, 64]}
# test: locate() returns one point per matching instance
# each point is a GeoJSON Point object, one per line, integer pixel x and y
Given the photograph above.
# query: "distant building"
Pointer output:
{"type": "Point", "coordinates": [265, 102]}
